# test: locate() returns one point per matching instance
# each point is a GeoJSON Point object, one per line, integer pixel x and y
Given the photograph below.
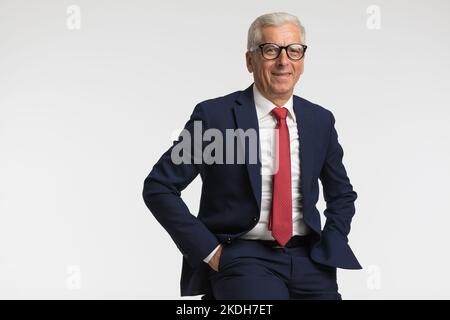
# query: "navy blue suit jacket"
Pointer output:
{"type": "Point", "coordinates": [231, 193]}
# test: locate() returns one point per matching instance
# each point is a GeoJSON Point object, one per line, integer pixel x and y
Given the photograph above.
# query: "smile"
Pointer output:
{"type": "Point", "coordinates": [282, 74]}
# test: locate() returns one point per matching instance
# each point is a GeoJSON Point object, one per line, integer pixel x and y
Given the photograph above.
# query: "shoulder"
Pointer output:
{"type": "Point", "coordinates": [221, 101]}
{"type": "Point", "coordinates": [320, 113]}
{"type": "Point", "coordinates": [218, 108]}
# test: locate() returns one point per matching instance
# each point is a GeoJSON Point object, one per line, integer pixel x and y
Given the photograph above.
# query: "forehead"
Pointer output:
{"type": "Point", "coordinates": [282, 35]}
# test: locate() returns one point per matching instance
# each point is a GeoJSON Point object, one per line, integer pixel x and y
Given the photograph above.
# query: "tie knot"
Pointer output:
{"type": "Point", "coordinates": [280, 113]}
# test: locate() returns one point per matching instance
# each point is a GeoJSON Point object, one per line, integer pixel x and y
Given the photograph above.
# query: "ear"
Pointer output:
{"type": "Point", "coordinates": [249, 61]}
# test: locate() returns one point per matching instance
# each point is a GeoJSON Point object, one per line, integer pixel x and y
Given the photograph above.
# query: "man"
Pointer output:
{"type": "Point", "coordinates": [258, 232]}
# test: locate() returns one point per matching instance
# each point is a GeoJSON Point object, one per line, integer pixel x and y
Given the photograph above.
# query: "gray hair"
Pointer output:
{"type": "Point", "coordinates": [275, 19]}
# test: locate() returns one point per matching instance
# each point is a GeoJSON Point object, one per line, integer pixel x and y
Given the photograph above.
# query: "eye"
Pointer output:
{"type": "Point", "coordinates": [295, 51]}
{"type": "Point", "coordinates": [270, 50]}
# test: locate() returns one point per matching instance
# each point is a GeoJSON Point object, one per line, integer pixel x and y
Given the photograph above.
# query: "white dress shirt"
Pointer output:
{"type": "Point", "coordinates": [267, 133]}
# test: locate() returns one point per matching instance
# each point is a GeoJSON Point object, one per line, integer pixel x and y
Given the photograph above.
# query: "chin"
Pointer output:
{"type": "Point", "coordinates": [283, 89]}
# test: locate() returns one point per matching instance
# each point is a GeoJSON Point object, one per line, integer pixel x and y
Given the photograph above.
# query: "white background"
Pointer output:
{"type": "Point", "coordinates": [84, 115]}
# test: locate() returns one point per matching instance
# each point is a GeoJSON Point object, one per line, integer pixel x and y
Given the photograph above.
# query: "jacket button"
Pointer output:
{"type": "Point", "coordinates": [255, 218]}
{"type": "Point", "coordinates": [228, 240]}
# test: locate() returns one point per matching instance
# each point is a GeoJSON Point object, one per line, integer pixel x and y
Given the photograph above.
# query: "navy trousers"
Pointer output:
{"type": "Point", "coordinates": [254, 270]}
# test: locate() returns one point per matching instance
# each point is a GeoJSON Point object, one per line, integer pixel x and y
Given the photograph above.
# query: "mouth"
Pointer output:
{"type": "Point", "coordinates": [281, 74]}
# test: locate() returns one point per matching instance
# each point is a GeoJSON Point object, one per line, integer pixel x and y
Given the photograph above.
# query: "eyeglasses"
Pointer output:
{"type": "Point", "coordinates": [271, 51]}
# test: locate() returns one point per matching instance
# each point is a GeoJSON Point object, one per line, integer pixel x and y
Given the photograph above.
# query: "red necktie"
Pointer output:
{"type": "Point", "coordinates": [280, 221]}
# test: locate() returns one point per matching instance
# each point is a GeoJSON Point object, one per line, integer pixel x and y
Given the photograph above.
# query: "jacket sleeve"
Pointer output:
{"type": "Point", "coordinates": [162, 193]}
{"type": "Point", "coordinates": [337, 190]}
{"type": "Point", "coordinates": [340, 208]}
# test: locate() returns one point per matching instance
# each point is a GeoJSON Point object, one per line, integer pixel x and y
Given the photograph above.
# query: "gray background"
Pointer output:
{"type": "Point", "coordinates": [84, 115]}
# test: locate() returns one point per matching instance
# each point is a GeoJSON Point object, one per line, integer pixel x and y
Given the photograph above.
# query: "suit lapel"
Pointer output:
{"type": "Point", "coordinates": [246, 118]}
{"type": "Point", "coordinates": [305, 123]}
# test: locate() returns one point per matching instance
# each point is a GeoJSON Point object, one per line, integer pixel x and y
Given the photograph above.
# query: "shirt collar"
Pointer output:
{"type": "Point", "coordinates": [264, 106]}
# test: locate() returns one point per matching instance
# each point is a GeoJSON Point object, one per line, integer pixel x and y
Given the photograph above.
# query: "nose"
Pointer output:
{"type": "Point", "coordinates": [283, 58]}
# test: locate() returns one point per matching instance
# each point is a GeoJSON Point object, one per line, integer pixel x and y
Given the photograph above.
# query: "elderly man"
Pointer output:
{"type": "Point", "coordinates": [258, 233]}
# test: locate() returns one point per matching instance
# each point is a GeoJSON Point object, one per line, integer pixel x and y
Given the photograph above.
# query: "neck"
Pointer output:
{"type": "Point", "coordinates": [278, 100]}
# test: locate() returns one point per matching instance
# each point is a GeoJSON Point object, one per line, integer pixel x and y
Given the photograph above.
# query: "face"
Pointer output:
{"type": "Point", "coordinates": [276, 78]}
